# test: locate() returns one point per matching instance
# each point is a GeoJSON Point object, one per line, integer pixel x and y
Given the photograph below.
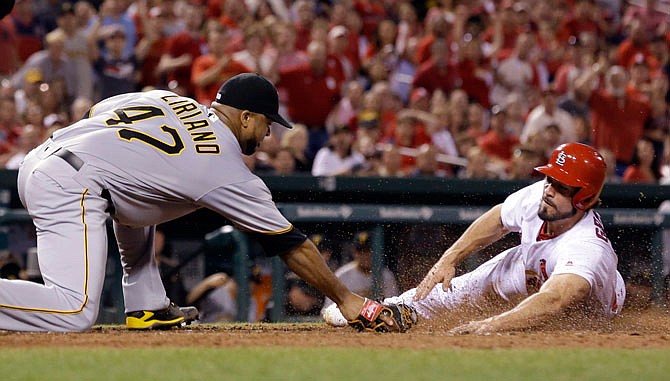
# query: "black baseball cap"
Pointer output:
{"type": "Point", "coordinates": [252, 92]}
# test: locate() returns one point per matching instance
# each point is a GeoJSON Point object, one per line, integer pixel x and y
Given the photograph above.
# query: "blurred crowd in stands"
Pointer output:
{"type": "Point", "coordinates": [448, 88]}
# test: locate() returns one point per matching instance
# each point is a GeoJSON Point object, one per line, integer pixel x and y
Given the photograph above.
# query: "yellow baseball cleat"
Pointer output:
{"type": "Point", "coordinates": [172, 316]}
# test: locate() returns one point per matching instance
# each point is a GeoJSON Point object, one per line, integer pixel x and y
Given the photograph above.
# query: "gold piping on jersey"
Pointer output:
{"type": "Point", "coordinates": [268, 232]}
{"type": "Point", "coordinates": [86, 272]}
{"type": "Point", "coordinates": [89, 114]}
{"type": "Point", "coordinates": [276, 232]}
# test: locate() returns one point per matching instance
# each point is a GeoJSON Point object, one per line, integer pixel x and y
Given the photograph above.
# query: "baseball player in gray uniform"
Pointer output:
{"type": "Point", "coordinates": [564, 257]}
{"type": "Point", "coordinates": [147, 158]}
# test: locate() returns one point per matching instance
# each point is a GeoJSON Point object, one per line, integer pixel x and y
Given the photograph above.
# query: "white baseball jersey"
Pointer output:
{"type": "Point", "coordinates": [583, 250]}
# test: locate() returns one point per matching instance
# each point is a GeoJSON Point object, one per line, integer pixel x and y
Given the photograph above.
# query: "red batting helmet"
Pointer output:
{"type": "Point", "coordinates": [579, 166]}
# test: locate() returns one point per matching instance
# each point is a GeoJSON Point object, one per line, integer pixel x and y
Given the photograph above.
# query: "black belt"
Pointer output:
{"type": "Point", "coordinates": [76, 163]}
{"type": "Point", "coordinates": [70, 158]}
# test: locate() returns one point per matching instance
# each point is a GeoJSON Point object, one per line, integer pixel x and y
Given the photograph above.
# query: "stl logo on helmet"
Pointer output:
{"type": "Point", "coordinates": [560, 158]}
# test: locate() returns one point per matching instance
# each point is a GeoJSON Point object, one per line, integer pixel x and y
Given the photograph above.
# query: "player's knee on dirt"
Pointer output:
{"type": "Point", "coordinates": [77, 322]}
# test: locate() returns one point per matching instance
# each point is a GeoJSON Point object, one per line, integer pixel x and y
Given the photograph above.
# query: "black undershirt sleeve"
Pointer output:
{"type": "Point", "coordinates": [277, 244]}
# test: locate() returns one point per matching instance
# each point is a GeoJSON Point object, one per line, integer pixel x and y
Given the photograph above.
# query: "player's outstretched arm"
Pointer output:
{"type": "Point", "coordinates": [485, 230]}
{"type": "Point", "coordinates": [306, 261]}
{"type": "Point", "coordinates": [556, 294]}
{"type": "Point", "coordinates": [360, 313]}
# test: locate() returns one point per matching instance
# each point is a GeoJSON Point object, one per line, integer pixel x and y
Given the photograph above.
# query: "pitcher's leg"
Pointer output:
{"type": "Point", "coordinates": [71, 247]}
{"type": "Point", "coordinates": [142, 285]}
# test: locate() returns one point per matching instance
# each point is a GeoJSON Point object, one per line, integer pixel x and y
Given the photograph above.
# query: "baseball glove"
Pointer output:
{"type": "Point", "coordinates": [399, 317]}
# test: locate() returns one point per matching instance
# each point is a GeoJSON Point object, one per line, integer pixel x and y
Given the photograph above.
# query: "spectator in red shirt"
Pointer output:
{"type": "Point", "coordinates": [359, 41]}
{"type": "Point", "coordinates": [635, 48]}
{"type": "Point", "coordinates": [585, 17]}
{"type": "Point", "coordinates": [284, 52]}
{"type": "Point", "coordinates": [338, 48]}
{"type": "Point", "coordinates": [311, 92]}
{"type": "Point", "coordinates": [211, 70]}
{"type": "Point", "coordinates": [649, 13]}
{"type": "Point", "coordinates": [502, 31]}
{"type": "Point", "coordinates": [151, 46]}
{"type": "Point", "coordinates": [182, 49]}
{"type": "Point", "coordinates": [475, 71]}
{"type": "Point", "coordinates": [304, 15]}
{"type": "Point", "coordinates": [437, 72]}
{"type": "Point", "coordinates": [405, 136]}
{"type": "Point", "coordinates": [436, 122]}
{"type": "Point", "coordinates": [8, 45]}
{"type": "Point", "coordinates": [642, 169]}
{"type": "Point", "coordinates": [439, 28]}
{"type": "Point", "coordinates": [234, 16]}
{"type": "Point", "coordinates": [29, 31]}
{"type": "Point", "coordinates": [553, 51]}
{"type": "Point", "coordinates": [372, 12]}
{"type": "Point", "coordinates": [498, 143]}
{"type": "Point", "coordinates": [617, 118]}
{"type": "Point", "coordinates": [343, 13]}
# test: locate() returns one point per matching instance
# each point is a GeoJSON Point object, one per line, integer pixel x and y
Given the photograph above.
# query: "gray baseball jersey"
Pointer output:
{"type": "Point", "coordinates": [146, 158]}
{"type": "Point", "coordinates": [162, 156]}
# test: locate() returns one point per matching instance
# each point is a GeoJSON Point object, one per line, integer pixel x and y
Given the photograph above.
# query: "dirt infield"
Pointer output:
{"type": "Point", "coordinates": [649, 328]}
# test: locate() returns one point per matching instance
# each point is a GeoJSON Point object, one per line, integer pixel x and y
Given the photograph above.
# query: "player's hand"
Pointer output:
{"type": "Point", "coordinates": [480, 327]}
{"type": "Point", "coordinates": [442, 272]}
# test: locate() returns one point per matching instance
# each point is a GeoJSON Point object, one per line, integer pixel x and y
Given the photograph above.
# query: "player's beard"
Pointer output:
{"type": "Point", "coordinates": [545, 212]}
{"type": "Point", "coordinates": [249, 147]}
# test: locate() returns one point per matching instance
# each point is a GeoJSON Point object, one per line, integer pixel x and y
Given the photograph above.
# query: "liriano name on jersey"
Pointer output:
{"type": "Point", "coordinates": [204, 140]}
